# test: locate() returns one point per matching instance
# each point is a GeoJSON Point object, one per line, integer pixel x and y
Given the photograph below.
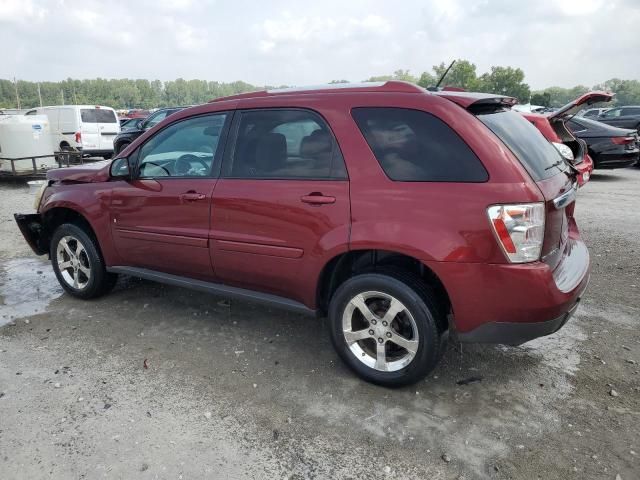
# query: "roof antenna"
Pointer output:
{"type": "Point", "coordinates": [436, 88]}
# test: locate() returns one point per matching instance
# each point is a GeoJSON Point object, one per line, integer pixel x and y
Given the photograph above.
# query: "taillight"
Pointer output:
{"type": "Point", "coordinates": [623, 140]}
{"type": "Point", "coordinates": [78, 137]}
{"type": "Point", "coordinates": [519, 229]}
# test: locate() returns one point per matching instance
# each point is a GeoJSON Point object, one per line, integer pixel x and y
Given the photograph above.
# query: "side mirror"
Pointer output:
{"type": "Point", "coordinates": [120, 169]}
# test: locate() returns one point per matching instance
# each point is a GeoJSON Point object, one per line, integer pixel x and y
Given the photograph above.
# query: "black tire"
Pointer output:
{"type": "Point", "coordinates": [108, 156]}
{"type": "Point", "coordinates": [63, 156]}
{"type": "Point", "coordinates": [98, 281]}
{"type": "Point", "coordinates": [420, 302]}
{"type": "Point", "coordinates": [120, 147]}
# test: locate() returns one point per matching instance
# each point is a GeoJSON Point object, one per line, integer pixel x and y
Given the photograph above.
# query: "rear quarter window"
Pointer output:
{"type": "Point", "coordinates": [535, 153]}
{"type": "Point", "coordinates": [415, 146]}
{"type": "Point", "coordinates": [98, 115]}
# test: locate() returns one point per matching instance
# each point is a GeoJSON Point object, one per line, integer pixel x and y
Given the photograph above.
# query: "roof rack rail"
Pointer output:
{"type": "Point", "coordinates": [394, 86]}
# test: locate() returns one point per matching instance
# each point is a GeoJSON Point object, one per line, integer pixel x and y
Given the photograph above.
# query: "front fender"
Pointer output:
{"type": "Point", "coordinates": [91, 201]}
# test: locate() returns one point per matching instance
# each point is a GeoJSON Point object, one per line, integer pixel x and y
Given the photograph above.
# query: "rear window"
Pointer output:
{"type": "Point", "coordinates": [415, 146]}
{"type": "Point", "coordinates": [536, 154]}
{"type": "Point", "coordinates": [98, 115]}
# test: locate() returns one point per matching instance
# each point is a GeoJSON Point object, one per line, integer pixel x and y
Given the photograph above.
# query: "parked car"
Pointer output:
{"type": "Point", "coordinates": [592, 112]}
{"type": "Point", "coordinates": [623, 117]}
{"type": "Point", "coordinates": [127, 122]}
{"type": "Point", "coordinates": [609, 147]}
{"type": "Point", "coordinates": [553, 127]}
{"type": "Point", "coordinates": [89, 129]}
{"type": "Point", "coordinates": [138, 126]}
{"type": "Point", "coordinates": [399, 213]}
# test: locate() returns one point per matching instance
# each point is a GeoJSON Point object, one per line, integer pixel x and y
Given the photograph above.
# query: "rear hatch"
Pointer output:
{"type": "Point", "coordinates": [559, 118]}
{"type": "Point", "coordinates": [99, 127]}
{"type": "Point", "coordinates": [580, 103]}
{"type": "Point", "coordinates": [553, 175]}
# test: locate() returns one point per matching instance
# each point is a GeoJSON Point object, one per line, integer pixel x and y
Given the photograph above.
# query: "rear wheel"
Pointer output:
{"type": "Point", "coordinates": [78, 264]}
{"type": "Point", "coordinates": [385, 327]}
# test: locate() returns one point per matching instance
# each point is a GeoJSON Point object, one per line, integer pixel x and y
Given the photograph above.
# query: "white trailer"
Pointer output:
{"type": "Point", "coordinates": [25, 144]}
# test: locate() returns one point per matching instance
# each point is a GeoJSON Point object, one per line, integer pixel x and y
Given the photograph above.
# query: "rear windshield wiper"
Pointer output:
{"type": "Point", "coordinates": [557, 164]}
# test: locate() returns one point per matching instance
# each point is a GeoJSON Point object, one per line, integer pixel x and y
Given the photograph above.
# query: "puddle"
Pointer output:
{"type": "Point", "coordinates": [24, 291]}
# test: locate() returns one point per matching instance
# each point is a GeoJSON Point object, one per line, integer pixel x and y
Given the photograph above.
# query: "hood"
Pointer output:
{"type": "Point", "coordinates": [87, 173]}
{"type": "Point", "coordinates": [573, 107]}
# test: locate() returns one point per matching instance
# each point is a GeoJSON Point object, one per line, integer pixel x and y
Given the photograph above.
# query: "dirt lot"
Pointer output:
{"type": "Point", "coordinates": [233, 390]}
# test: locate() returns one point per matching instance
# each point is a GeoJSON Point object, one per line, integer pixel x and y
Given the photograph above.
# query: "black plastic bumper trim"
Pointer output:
{"type": "Point", "coordinates": [33, 231]}
{"type": "Point", "coordinates": [215, 288]}
{"type": "Point", "coordinates": [516, 333]}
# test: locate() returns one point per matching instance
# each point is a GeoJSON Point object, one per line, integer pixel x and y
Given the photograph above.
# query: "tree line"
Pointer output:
{"type": "Point", "coordinates": [145, 94]}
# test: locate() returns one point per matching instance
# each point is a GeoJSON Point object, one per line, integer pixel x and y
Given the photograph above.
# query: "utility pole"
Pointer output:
{"type": "Point", "coordinates": [15, 84]}
{"type": "Point", "coordinates": [39, 94]}
{"type": "Point", "coordinates": [62, 93]}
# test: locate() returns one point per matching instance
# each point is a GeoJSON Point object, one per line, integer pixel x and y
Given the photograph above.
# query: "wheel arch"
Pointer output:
{"type": "Point", "coordinates": [53, 217]}
{"type": "Point", "coordinates": [347, 264]}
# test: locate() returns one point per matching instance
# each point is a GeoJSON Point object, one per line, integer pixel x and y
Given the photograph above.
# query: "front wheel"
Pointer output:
{"type": "Point", "coordinates": [78, 264]}
{"type": "Point", "coordinates": [385, 328]}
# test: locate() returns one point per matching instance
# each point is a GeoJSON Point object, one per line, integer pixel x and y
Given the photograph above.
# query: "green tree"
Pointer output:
{"type": "Point", "coordinates": [505, 81]}
{"type": "Point", "coordinates": [403, 75]}
{"type": "Point", "coordinates": [462, 75]}
{"type": "Point", "coordinates": [541, 98]}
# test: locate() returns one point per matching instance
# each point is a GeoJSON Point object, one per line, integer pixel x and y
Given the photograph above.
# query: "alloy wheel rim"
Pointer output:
{"type": "Point", "coordinates": [380, 331]}
{"type": "Point", "coordinates": [73, 262]}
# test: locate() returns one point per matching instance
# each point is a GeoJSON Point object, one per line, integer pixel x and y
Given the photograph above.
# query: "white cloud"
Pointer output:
{"type": "Point", "coordinates": [286, 42]}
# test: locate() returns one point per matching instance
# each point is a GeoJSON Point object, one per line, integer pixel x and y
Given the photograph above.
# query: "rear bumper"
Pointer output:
{"type": "Point", "coordinates": [33, 230]}
{"type": "Point", "coordinates": [516, 333]}
{"type": "Point", "coordinates": [514, 303]}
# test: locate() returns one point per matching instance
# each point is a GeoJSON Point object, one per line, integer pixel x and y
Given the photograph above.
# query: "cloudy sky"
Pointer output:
{"type": "Point", "coordinates": [556, 42]}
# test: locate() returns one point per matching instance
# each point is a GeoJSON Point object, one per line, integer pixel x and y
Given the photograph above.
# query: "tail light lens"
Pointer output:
{"type": "Point", "coordinates": [519, 229]}
{"type": "Point", "coordinates": [623, 140]}
{"type": "Point", "coordinates": [78, 137]}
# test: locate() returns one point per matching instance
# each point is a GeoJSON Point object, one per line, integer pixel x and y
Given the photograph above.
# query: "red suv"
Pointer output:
{"type": "Point", "coordinates": [399, 213]}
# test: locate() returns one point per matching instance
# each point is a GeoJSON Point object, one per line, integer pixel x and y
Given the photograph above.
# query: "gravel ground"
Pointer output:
{"type": "Point", "coordinates": [160, 382]}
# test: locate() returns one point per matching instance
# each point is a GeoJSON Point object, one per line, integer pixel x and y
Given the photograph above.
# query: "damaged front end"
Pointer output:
{"type": "Point", "coordinates": [34, 231]}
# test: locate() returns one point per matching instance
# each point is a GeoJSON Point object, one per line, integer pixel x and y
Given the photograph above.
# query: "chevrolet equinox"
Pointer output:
{"type": "Point", "coordinates": [399, 214]}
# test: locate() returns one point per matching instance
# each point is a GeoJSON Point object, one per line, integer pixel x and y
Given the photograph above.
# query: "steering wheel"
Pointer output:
{"type": "Point", "coordinates": [159, 166]}
{"type": "Point", "coordinates": [183, 163]}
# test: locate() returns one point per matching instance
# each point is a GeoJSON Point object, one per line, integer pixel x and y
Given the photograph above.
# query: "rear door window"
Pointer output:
{"type": "Point", "coordinates": [284, 144]}
{"type": "Point", "coordinates": [536, 154]}
{"type": "Point", "coordinates": [415, 146]}
{"type": "Point", "coordinates": [98, 115]}
{"type": "Point", "coordinates": [631, 111]}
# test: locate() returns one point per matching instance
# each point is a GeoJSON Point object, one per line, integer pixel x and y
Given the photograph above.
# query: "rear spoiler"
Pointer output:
{"type": "Point", "coordinates": [478, 103]}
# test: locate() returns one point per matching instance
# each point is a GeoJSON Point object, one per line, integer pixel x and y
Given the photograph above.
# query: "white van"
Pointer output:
{"type": "Point", "coordinates": [86, 128]}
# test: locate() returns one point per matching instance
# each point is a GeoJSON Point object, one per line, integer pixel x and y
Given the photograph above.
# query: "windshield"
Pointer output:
{"type": "Point", "coordinates": [536, 154]}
